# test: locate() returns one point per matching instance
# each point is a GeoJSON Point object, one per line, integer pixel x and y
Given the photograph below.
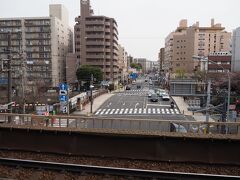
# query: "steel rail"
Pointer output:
{"type": "Point", "coordinates": [77, 168]}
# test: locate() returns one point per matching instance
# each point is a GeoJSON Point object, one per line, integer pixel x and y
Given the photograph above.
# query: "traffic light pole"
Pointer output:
{"type": "Point", "coordinates": [9, 76]}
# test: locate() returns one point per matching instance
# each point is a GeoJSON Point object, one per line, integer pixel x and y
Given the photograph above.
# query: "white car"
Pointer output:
{"type": "Point", "coordinates": [150, 92]}
{"type": "Point", "coordinates": [165, 97]}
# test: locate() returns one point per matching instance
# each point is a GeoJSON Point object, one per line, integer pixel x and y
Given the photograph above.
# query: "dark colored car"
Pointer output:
{"type": "Point", "coordinates": [128, 88]}
{"type": "Point", "coordinates": [154, 98]}
{"type": "Point", "coordinates": [138, 86]}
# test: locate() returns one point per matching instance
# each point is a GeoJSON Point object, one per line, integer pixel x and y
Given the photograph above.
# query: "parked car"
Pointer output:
{"type": "Point", "coordinates": [128, 88]}
{"type": "Point", "coordinates": [154, 98]}
{"type": "Point", "coordinates": [165, 97]}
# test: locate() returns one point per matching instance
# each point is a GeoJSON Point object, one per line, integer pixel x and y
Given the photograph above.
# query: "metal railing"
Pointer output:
{"type": "Point", "coordinates": [83, 122]}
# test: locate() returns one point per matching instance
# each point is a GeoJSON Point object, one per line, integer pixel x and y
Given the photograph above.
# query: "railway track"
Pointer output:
{"type": "Point", "coordinates": [110, 171]}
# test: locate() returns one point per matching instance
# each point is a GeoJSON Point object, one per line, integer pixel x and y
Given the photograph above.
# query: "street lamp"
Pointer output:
{"type": "Point", "coordinates": [205, 59]}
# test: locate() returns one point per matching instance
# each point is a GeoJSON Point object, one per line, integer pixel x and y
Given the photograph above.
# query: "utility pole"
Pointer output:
{"type": "Point", "coordinates": [207, 104]}
{"type": "Point", "coordinates": [9, 75]}
{"type": "Point", "coordinates": [24, 77]}
{"type": "Point", "coordinates": [91, 97]}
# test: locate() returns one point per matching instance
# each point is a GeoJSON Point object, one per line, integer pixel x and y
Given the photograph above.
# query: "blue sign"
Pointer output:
{"type": "Point", "coordinates": [63, 86]}
{"type": "Point", "coordinates": [3, 81]}
{"type": "Point", "coordinates": [63, 98]}
{"type": "Point", "coordinates": [133, 75]}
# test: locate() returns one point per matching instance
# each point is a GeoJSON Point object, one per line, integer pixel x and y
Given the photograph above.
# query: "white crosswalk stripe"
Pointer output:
{"type": "Point", "coordinates": [112, 111]}
{"type": "Point", "coordinates": [154, 111]}
{"type": "Point", "coordinates": [137, 111]}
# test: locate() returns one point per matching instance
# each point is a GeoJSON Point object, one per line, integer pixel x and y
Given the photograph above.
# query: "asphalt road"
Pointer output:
{"type": "Point", "coordinates": [135, 104]}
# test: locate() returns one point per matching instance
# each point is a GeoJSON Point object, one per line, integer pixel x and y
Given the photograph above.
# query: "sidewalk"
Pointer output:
{"type": "Point", "coordinates": [183, 107]}
{"type": "Point", "coordinates": [97, 102]}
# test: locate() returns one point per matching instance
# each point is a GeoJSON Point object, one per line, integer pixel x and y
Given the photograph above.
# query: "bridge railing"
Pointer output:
{"type": "Point", "coordinates": [83, 122]}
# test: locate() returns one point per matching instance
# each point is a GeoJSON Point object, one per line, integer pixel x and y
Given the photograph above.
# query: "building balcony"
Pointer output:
{"type": "Point", "coordinates": [95, 43]}
{"type": "Point", "coordinates": [97, 36]}
{"type": "Point", "coordinates": [107, 57]}
{"type": "Point", "coordinates": [97, 22]}
{"type": "Point", "coordinates": [95, 56]}
{"type": "Point", "coordinates": [95, 49]}
{"type": "Point", "coordinates": [107, 23]}
{"type": "Point", "coordinates": [93, 29]}
{"type": "Point", "coordinates": [107, 37]}
{"type": "Point", "coordinates": [94, 62]}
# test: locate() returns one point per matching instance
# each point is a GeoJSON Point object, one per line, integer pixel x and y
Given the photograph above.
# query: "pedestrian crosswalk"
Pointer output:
{"type": "Point", "coordinates": [136, 111]}
{"type": "Point", "coordinates": [134, 92]}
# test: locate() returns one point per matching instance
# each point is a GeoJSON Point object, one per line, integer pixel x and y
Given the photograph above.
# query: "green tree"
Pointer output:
{"type": "Point", "coordinates": [180, 73]}
{"type": "Point", "coordinates": [84, 73]}
{"type": "Point", "coordinates": [137, 66]}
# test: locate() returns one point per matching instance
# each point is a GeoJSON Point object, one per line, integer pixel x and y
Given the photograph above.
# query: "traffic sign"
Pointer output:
{"type": "Point", "coordinates": [63, 92]}
{"type": "Point", "coordinates": [63, 98]}
{"type": "Point", "coordinates": [63, 86]}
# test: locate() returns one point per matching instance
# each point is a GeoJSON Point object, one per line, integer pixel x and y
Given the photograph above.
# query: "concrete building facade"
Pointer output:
{"type": "Point", "coordinates": [96, 41]}
{"type": "Point", "coordinates": [219, 62]}
{"type": "Point", "coordinates": [185, 42]}
{"type": "Point", "coordinates": [122, 60]}
{"type": "Point", "coordinates": [39, 45]}
{"type": "Point", "coordinates": [236, 50]}
{"type": "Point", "coordinates": [161, 59]}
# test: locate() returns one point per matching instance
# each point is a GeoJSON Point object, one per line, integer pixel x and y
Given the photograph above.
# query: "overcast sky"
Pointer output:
{"type": "Point", "coordinates": [142, 24]}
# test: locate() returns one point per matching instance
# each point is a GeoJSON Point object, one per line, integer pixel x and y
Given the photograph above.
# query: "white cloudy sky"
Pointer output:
{"type": "Point", "coordinates": [143, 24]}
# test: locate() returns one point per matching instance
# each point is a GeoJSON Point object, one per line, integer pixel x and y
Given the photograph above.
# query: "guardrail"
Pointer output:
{"type": "Point", "coordinates": [83, 122]}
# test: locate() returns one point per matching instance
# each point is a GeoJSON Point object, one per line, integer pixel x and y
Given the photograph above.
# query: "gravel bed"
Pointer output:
{"type": "Point", "coordinates": [21, 173]}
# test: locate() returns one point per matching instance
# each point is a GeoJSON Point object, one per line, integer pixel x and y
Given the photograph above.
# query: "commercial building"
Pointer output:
{"type": "Point", "coordinates": [219, 62]}
{"type": "Point", "coordinates": [236, 50]}
{"type": "Point", "coordinates": [185, 42]}
{"type": "Point", "coordinates": [39, 46]}
{"type": "Point", "coordinates": [96, 42]}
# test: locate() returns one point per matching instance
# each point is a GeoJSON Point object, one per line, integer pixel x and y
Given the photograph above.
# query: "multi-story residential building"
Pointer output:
{"type": "Point", "coordinates": [143, 62]}
{"type": "Point", "coordinates": [161, 59]}
{"type": "Point", "coordinates": [185, 42]}
{"type": "Point", "coordinates": [130, 60]}
{"type": "Point", "coordinates": [96, 41]}
{"type": "Point", "coordinates": [39, 45]}
{"type": "Point", "coordinates": [122, 60]}
{"type": "Point", "coordinates": [236, 50]}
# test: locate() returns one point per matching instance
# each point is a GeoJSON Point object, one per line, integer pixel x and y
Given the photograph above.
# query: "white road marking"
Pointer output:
{"type": "Point", "coordinates": [154, 111]}
{"type": "Point", "coordinates": [167, 111]}
{"type": "Point", "coordinates": [116, 112]}
{"type": "Point", "coordinates": [130, 111]}
{"type": "Point", "coordinates": [126, 110]}
{"type": "Point", "coordinates": [121, 111]}
{"type": "Point", "coordinates": [98, 111]}
{"type": "Point", "coordinates": [144, 111]}
{"type": "Point", "coordinates": [135, 111]}
{"type": "Point", "coordinates": [149, 111]}
{"type": "Point", "coordinates": [158, 111]}
{"type": "Point", "coordinates": [112, 111]}
{"type": "Point", "coordinates": [176, 111]}
{"type": "Point", "coordinates": [163, 112]}
{"type": "Point", "coordinates": [107, 111]}
{"type": "Point", "coordinates": [140, 111]}
{"type": "Point", "coordinates": [103, 111]}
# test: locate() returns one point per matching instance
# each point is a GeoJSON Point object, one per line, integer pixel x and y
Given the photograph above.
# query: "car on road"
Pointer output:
{"type": "Point", "coordinates": [154, 97]}
{"type": "Point", "coordinates": [128, 88]}
{"type": "Point", "coordinates": [134, 82]}
{"type": "Point", "coordinates": [165, 97]}
{"type": "Point", "coordinates": [150, 92]}
{"type": "Point", "coordinates": [146, 80]}
{"type": "Point", "coordinates": [138, 86]}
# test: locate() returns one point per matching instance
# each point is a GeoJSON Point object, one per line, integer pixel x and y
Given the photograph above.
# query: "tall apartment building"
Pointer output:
{"type": "Point", "coordinates": [122, 60]}
{"type": "Point", "coordinates": [39, 45]}
{"type": "Point", "coordinates": [161, 59]}
{"type": "Point", "coordinates": [143, 61]}
{"type": "Point", "coordinates": [185, 42]}
{"type": "Point", "coordinates": [96, 42]}
{"type": "Point", "coordinates": [236, 50]}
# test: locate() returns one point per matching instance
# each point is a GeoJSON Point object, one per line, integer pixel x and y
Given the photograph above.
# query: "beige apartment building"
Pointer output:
{"type": "Point", "coordinates": [96, 42]}
{"type": "Point", "coordinates": [123, 67]}
{"type": "Point", "coordinates": [39, 47]}
{"type": "Point", "coordinates": [185, 42]}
